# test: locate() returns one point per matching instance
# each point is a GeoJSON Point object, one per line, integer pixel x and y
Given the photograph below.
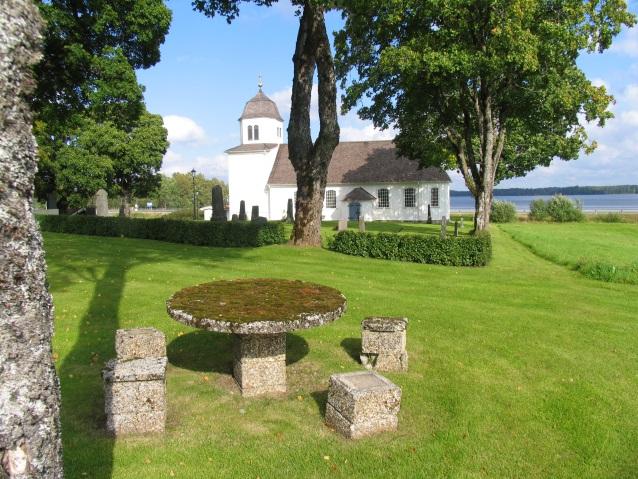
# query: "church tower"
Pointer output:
{"type": "Point", "coordinates": [250, 162]}
{"type": "Point", "coordinates": [260, 122]}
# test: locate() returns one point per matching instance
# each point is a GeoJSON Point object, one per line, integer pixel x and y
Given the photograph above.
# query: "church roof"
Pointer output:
{"type": "Point", "coordinates": [359, 194]}
{"type": "Point", "coordinates": [361, 162]}
{"type": "Point", "coordinates": [260, 106]}
{"type": "Point", "coordinates": [252, 147]}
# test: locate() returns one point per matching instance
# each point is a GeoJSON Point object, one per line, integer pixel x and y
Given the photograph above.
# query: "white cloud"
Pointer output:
{"type": "Point", "coordinates": [215, 166]}
{"type": "Point", "coordinates": [182, 129]}
{"type": "Point", "coordinates": [283, 100]}
{"type": "Point", "coordinates": [366, 132]}
{"type": "Point", "coordinates": [627, 44]}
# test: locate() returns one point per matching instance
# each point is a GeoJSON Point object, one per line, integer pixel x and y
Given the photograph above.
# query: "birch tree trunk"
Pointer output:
{"type": "Point", "coordinates": [311, 160]}
{"type": "Point", "coordinates": [30, 445]}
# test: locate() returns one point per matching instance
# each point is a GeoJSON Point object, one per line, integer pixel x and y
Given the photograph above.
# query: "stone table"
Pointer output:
{"type": "Point", "coordinates": [258, 312]}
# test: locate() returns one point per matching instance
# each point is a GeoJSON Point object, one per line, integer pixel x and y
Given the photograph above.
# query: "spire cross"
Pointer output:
{"type": "Point", "coordinates": [260, 83]}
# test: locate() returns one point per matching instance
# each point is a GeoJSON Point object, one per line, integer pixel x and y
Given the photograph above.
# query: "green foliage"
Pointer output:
{"type": "Point", "coordinates": [503, 212]}
{"type": "Point", "coordinates": [473, 250]}
{"type": "Point", "coordinates": [560, 209]}
{"type": "Point", "coordinates": [608, 272]}
{"type": "Point", "coordinates": [207, 233]}
{"type": "Point", "coordinates": [176, 191]}
{"type": "Point", "coordinates": [184, 214]}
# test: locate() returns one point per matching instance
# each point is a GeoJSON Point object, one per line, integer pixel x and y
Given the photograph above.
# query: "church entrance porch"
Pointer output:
{"type": "Point", "coordinates": [354, 211]}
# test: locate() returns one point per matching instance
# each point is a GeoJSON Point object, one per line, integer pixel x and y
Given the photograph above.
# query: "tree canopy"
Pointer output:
{"type": "Point", "coordinates": [491, 87]}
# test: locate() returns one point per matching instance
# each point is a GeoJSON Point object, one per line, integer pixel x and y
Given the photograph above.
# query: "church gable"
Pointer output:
{"type": "Point", "coordinates": [361, 162]}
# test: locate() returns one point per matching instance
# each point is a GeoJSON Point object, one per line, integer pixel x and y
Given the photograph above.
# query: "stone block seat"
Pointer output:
{"type": "Point", "coordinates": [383, 344]}
{"type": "Point", "coordinates": [362, 403]}
{"type": "Point", "coordinates": [135, 383]}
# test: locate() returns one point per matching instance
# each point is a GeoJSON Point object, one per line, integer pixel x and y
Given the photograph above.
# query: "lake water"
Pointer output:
{"type": "Point", "coordinates": [590, 203]}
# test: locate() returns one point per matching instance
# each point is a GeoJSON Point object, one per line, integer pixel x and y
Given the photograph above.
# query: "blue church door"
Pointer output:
{"type": "Point", "coordinates": [354, 211]}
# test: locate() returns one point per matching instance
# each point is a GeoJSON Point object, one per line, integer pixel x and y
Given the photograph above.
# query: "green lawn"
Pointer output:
{"type": "Point", "coordinates": [606, 251]}
{"type": "Point", "coordinates": [520, 369]}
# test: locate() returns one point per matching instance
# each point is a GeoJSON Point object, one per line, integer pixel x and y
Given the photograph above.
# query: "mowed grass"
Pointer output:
{"type": "Point", "coordinates": [519, 369]}
{"type": "Point", "coordinates": [604, 251]}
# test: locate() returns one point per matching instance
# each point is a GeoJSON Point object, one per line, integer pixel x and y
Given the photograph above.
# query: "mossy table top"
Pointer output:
{"type": "Point", "coordinates": [256, 305]}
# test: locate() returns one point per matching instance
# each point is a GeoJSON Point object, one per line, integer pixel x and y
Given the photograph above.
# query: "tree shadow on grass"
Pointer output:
{"type": "Point", "coordinates": [352, 346]}
{"type": "Point", "coordinates": [88, 449]}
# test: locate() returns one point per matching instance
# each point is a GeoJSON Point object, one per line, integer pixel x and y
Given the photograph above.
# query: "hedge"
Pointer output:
{"type": "Point", "coordinates": [208, 233]}
{"type": "Point", "coordinates": [473, 250]}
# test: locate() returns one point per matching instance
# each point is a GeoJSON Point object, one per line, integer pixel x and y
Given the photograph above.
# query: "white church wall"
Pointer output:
{"type": "Point", "coordinates": [247, 180]}
{"type": "Point", "coordinates": [279, 199]}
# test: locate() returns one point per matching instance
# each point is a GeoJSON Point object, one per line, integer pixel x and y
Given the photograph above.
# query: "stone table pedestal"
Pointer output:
{"type": "Point", "coordinates": [260, 363]}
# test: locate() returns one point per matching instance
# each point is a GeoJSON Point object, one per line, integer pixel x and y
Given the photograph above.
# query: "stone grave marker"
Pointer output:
{"type": "Point", "coordinates": [362, 224]}
{"type": "Point", "coordinates": [443, 227]}
{"type": "Point", "coordinates": [343, 225]}
{"type": "Point", "coordinates": [456, 229]}
{"type": "Point", "coordinates": [242, 211]}
{"type": "Point", "coordinates": [461, 226]}
{"type": "Point", "coordinates": [219, 214]}
{"type": "Point", "coordinates": [429, 215]}
{"type": "Point", "coordinates": [289, 212]}
{"type": "Point", "coordinates": [101, 203]}
{"type": "Point", "coordinates": [254, 214]}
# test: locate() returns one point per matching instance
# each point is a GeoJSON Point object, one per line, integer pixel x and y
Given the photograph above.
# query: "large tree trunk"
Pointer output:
{"type": "Point", "coordinates": [310, 160]}
{"type": "Point", "coordinates": [30, 445]}
{"type": "Point", "coordinates": [482, 209]}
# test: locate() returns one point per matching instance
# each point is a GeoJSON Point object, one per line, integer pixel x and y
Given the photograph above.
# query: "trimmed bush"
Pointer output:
{"type": "Point", "coordinates": [473, 250]}
{"type": "Point", "coordinates": [184, 214]}
{"type": "Point", "coordinates": [208, 233]}
{"type": "Point", "coordinates": [503, 212]}
{"type": "Point", "coordinates": [560, 209]}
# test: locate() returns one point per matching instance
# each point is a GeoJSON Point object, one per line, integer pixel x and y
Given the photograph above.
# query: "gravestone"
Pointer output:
{"type": "Point", "coordinates": [343, 225]}
{"type": "Point", "coordinates": [443, 227]}
{"type": "Point", "coordinates": [289, 212]}
{"type": "Point", "coordinates": [456, 229]}
{"type": "Point", "coordinates": [260, 220]}
{"type": "Point", "coordinates": [101, 203]}
{"type": "Point", "coordinates": [429, 215]}
{"type": "Point", "coordinates": [254, 214]}
{"type": "Point", "coordinates": [242, 211]}
{"type": "Point", "coordinates": [235, 218]}
{"type": "Point", "coordinates": [461, 226]}
{"type": "Point", "coordinates": [219, 214]}
{"type": "Point", "coordinates": [362, 225]}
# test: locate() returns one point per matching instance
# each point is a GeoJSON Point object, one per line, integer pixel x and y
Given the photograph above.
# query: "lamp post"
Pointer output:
{"type": "Point", "coordinates": [193, 175]}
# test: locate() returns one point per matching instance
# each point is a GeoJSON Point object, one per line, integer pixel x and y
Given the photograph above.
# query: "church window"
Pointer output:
{"type": "Point", "coordinates": [256, 132]}
{"type": "Point", "coordinates": [409, 198]}
{"type": "Point", "coordinates": [331, 199]}
{"type": "Point", "coordinates": [434, 197]}
{"type": "Point", "coordinates": [383, 198]}
{"type": "Point", "coordinates": [250, 132]}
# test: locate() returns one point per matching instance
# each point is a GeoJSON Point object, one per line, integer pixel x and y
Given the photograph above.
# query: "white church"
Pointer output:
{"type": "Point", "coordinates": [365, 178]}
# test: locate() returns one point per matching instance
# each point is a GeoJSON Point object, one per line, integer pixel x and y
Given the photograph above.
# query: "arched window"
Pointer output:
{"type": "Point", "coordinates": [331, 199]}
{"type": "Point", "coordinates": [250, 132]}
{"type": "Point", "coordinates": [434, 197]}
{"type": "Point", "coordinates": [256, 132]}
{"type": "Point", "coordinates": [383, 198]}
{"type": "Point", "coordinates": [409, 198]}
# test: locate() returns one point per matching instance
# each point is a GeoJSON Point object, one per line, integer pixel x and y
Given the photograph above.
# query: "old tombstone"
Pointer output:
{"type": "Point", "coordinates": [289, 211]}
{"type": "Point", "coordinates": [461, 225]}
{"type": "Point", "coordinates": [260, 220]}
{"type": "Point", "coordinates": [101, 203]}
{"type": "Point", "coordinates": [362, 224]}
{"type": "Point", "coordinates": [234, 218]}
{"type": "Point", "coordinates": [343, 225]}
{"type": "Point", "coordinates": [242, 211]}
{"type": "Point", "coordinates": [254, 214]}
{"type": "Point", "coordinates": [443, 227]}
{"type": "Point", "coordinates": [429, 215]}
{"type": "Point", "coordinates": [362, 403]}
{"type": "Point", "coordinates": [456, 229]}
{"type": "Point", "coordinates": [219, 214]}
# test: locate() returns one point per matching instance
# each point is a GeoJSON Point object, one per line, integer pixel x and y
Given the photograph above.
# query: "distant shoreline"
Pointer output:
{"type": "Point", "coordinates": [559, 190]}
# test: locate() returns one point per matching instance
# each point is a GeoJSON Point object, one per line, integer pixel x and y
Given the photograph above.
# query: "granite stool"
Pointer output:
{"type": "Point", "coordinates": [135, 383]}
{"type": "Point", "coordinates": [362, 403]}
{"type": "Point", "coordinates": [383, 343]}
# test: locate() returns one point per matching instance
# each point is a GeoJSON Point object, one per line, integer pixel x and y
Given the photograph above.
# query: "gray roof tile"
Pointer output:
{"type": "Point", "coordinates": [260, 106]}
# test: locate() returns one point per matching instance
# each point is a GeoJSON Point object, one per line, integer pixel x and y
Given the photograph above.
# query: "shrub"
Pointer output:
{"type": "Point", "coordinates": [208, 233]}
{"type": "Point", "coordinates": [462, 251]}
{"type": "Point", "coordinates": [538, 210]}
{"type": "Point", "coordinates": [184, 214]}
{"type": "Point", "coordinates": [560, 209]}
{"type": "Point", "coordinates": [603, 271]}
{"type": "Point", "coordinates": [608, 218]}
{"type": "Point", "coordinates": [503, 212]}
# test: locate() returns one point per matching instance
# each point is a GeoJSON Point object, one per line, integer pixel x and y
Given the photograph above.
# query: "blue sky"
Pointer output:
{"type": "Point", "coordinates": [209, 69]}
